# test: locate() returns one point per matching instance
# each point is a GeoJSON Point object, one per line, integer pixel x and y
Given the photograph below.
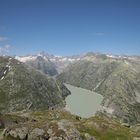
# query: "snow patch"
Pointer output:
{"type": "Point", "coordinates": [118, 56]}
{"type": "Point", "coordinates": [26, 58]}
{"type": "Point", "coordinates": [98, 84]}
{"type": "Point", "coordinates": [62, 59]}
{"type": "Point", "coordinates": [57, 56]}
{"type": "Point", "coordinates": [2, 78]}
{"type": "Point", "coordinates": [18, 63]}
{"type": "Point", "coordinates": [111, 56]}
{"type": "Point", "coordinates": [71, 60]}
{"type": "Point", "coordinates": [126, 62]}
{"type": "Point", "coordinates": [53, 59]}
{"type": "Point", "coordinates": [137, 96]}
{"type": "Point", "coordinates": [5, 71]}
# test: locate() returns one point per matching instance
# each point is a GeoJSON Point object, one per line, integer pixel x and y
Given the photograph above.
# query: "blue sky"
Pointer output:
{"type": "Point", "coordinates": [66, 27]}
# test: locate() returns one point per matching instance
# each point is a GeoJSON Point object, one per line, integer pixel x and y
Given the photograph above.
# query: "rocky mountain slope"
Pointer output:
{"type": "Point", "coordinates": [117, 78]}
{"type": "Point", "coordinates": [24, 88]}
{"type": "Point", "coordinates": [41, 63]}
{"type": "Point", "coordinates": [61, 125]}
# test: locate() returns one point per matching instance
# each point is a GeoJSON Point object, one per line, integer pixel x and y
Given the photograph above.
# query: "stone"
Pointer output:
{"type": "Point", "coordinates": [136, 138]}
{"type": "Point", "coordinates": [38, 134]}
{"type": "Point", "coordinates": [20, 133]}
{"type": "Point", "coordinates": [89, 137]}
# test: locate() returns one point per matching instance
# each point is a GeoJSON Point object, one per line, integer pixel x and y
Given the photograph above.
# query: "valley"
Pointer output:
{"type": "Point", "coordinates": [69, 69]}
{"type": "Point", "coordinates": [99, 102]}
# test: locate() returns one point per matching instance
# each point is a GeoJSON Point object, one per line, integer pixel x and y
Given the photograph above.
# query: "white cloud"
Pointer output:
{"type": "Point", "coordinates": [100, 34]}
{"type": "Point", "coordinates": [3, 38]}
{"type": "Point", "coordinates": [5, 49]}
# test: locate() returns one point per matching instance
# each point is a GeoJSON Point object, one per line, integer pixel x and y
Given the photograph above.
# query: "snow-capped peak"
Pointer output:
{"type": "Point", "coordinates": [25, 58]}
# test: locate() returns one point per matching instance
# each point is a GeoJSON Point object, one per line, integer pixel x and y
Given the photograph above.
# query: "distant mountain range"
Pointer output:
{"type": "Point", "coordinates": [53, 65]}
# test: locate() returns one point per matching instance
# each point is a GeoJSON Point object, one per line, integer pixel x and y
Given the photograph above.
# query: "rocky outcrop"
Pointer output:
{"type": "Point", "coordinates": [23, 133]}
{"type": "Point", "coordinates": [17, 133]}
{"type": "Point", "coordinates": [61, 125]}
{"type": "Point", "coordinates": [61, 132]}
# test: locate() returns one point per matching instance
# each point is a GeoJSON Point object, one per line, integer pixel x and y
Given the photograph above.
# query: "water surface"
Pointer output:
{"type": "Point", "coordinates": [83, 102]}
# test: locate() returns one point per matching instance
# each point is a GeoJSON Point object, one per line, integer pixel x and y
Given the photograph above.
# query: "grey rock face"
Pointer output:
{"type": "Point", "coordinates": [24, 88]}
{"type": "Point", "coordinates": [44, 66]}
{"type": "Point", "coordinates": [38, 134]}
{"type": "Point", "coordinates": [17, 133]}
{"type": "Point", "coordinates": [24, 133]}
{"type": "Point", "coordinates": [71, 132]}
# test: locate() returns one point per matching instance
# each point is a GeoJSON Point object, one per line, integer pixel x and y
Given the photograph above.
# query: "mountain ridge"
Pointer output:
{"type": "Point", "coordinates": [59, 63]}
{"type": "Point", "coordinates": [22, 87]}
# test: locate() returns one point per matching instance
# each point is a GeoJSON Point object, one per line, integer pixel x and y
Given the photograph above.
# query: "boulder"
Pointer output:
{"type": "Point", "coordinates": [17, 133]}
{"type": "Point", "coordinates": [89, 137]}
{"type": "Point", "coordinates": [38, 134]}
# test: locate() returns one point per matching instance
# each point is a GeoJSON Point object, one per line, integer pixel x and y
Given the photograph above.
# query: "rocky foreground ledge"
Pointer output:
{"type": "Point", "coordinates": [61, 125]}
